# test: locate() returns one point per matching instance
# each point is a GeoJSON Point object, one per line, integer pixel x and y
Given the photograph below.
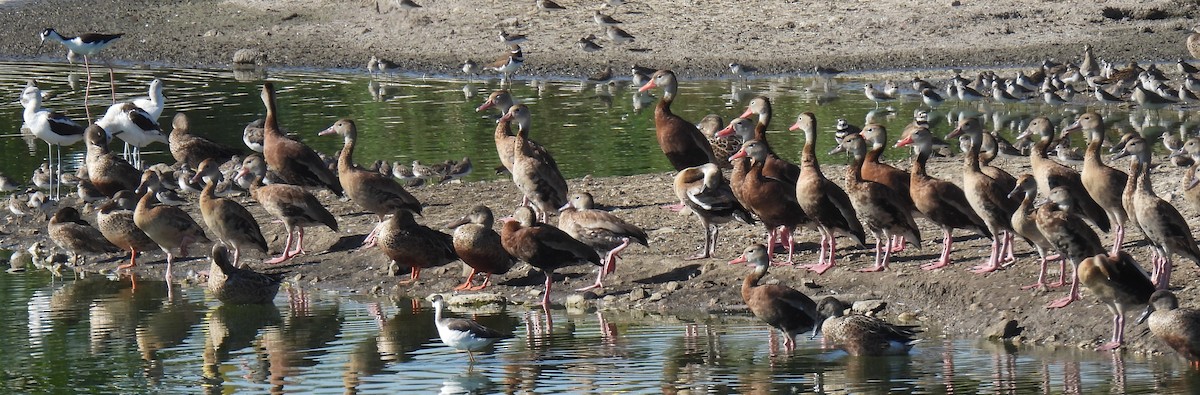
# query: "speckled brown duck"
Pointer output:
{"type": "Point", "coordinates": [407, 243]}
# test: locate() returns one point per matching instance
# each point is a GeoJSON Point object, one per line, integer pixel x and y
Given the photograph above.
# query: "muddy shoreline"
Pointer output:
{"type": "Point", "coordinates": [788, 39]}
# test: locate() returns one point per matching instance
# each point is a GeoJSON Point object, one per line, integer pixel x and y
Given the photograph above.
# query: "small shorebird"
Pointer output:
{"type": "Point", "coordinates": [604, 20]}
{"type": "Point", "coordinates": [826, 73]}
{"type": "Point", "coordinates": [587, 45]}
{"type": "Point", "coordinates": [89, 44]}
{"type": "Point", "coordinates": [407, 5]}
{"type": "Point", "coordinates": [549, 5]}
{"type": "Point", "coordinates": [875, 95]}
{"type": "Point", "coordinates": [618, 35]}
{"type": "Point", "coordinates": [931, 98]}
{"type": "Point", "coordinates": [602, 75]}
{"type": "Point", "coordinates": [509, 63]}
{"type": "Point", "coordinates": [741, 70]}
{"type": "Point", "coordinates": [461, 333]}
{"type": "Point", "coordinates": [1107, 98]}
{"type": "Point", "coordinates": [512, 39]}
{"type": "Point", "coordinates": [470, 67]}
{"type": "Point", "coordinates": [1186, 68]}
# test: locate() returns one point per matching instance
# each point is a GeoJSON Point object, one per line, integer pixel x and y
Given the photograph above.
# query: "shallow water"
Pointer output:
{"type": "Point", "coordinates": [101, 335]}
{"type": "Point", "coordinates": [600, 130]}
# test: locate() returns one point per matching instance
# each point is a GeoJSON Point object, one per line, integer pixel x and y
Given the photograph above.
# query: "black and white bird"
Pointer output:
{"type": "Point", "coordinates": [52, 127]}
{"type": "Point", "coordinates": [463, 334]}
{"type": "Point", "coordinates": [88, 45]}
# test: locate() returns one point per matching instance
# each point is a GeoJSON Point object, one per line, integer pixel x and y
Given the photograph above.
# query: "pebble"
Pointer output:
{"type": "Point", "coordinates": [1002, 329]}
{"type": "Point", "coordinates": [637, 294]}
{"type": "Point", "coordinates": [671, 286]}
{"type": "Point", "coordinates": [576, 300]}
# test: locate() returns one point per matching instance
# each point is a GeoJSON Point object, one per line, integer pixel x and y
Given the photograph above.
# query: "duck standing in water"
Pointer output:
{"type": "Point", "coordinates": [232, 285]}
{"type": "Point", "coordinates": [780, 306]}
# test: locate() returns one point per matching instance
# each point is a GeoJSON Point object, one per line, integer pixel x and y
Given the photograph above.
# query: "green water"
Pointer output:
{"type": "Point", "coordinates": [100, 335]}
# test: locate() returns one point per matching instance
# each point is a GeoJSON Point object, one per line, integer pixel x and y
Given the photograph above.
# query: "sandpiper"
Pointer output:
{"type": "Point", "coordinates": [512, 39]}
{"type": "Point", "coordinates": [587, 45]}
{"type": "Point", "coordinates": [604, 20]}
{"type": "Point", "coordinates": [875, 95]}
{"type": "Point", "coordinates": [618, 35]}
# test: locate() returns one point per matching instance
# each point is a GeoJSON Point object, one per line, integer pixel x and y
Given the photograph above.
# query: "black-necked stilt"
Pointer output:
{"type": "Point", "coordinates": [154, 102]}
{"type": "Point", "coordinates": [88, 44]}
{"type": "Point", "coordinates": [133, 125]}
{"type": "Point", "coordinates": [461, 333]}
{"type": "Point", "coordinates": [52, 127]}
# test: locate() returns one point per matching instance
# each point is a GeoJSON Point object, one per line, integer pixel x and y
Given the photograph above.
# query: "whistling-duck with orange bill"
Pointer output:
{"type": "Point", "coordinates": [536, 174]}
{"type": "Point", "coordinates": [601, 230]}
{"type": "Point", "coordinates": [942, 202]}
{"type": "Point", "coordinates": [679, 139]}
{"type": "Point", "coordinates": [227, 219]}
{"type": "Point", "coordinates": [1104, 184]}
{"type": "Point", "coordinates": [407, 243]}
{"type": "Point", "coordinates": [1050, 174]}
{"type": "Point", "coordinates": [294, 162]}
{"type": "Point", "coordinates": [1164, 227]}
{"type": "Point", "coordinates": [1059, 221]}
{"type": "Point", "coordinates": [703, 189]}
{"type": "Point", "coordinates": [1025, 225]}
{"type": "Point", "coordinates": [170, 227]}
{"type": "Point", "coordinates": [780, 306]}
{"type": "Point", "coordinates": [479, 247]}
{"type": "Point", "coordinates": [296, 208]}
{"type": "Point", "coordinates": [875, 170]}
{"type": "Point", "coordinates": [374, 192]}
{"type": "Point", "coordinates": [543, 246]}
{"type": "Point", "coordinates": [1118, 281]}
{"type": "Point", "coordinates": [772, 199]}
{"type": "Point", "coordinates": [878, 205]}
{"type": "Point", "coordinates": [823, 201]}
{"type": "Point", "coordinates": [987, 197]}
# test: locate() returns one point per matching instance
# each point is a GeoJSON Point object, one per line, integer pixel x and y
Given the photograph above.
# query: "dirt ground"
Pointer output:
{"type": "Point", "coordinates": [777, 37]}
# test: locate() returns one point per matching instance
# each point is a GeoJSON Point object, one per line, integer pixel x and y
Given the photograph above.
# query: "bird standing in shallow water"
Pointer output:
{"type": "Point", "coordinates": [89, 44]}
{"type": "Point", "coordinates": [862, 335]}
{"type": "Point", "coordinates": [232, 285]}
{"type": "Point", "coordinates": [461, 333]}
{"type": "Point", "coordinates": [780, 306]}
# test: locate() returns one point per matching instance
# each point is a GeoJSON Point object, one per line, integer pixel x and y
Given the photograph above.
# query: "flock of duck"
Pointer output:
{"type": "Point", "coordinates": [136, 210]}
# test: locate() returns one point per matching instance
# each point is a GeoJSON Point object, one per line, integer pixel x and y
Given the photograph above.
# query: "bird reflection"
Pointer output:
{"type": "Point", "coordinates": [232, 328]}
{"type": "Point", "coordinates": [167, 327]}
{"type": "Point", "coordinates": [469, 382]}
{"type": "Point", "coordinates": [301, 340]}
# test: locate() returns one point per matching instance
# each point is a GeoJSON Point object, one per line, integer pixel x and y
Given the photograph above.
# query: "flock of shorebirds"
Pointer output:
{"type": "Point", "coordinates": [136, 206]}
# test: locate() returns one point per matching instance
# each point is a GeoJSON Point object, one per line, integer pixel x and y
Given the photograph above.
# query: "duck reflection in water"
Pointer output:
{"type": "Point", "coordinates": [165, 328]}
{"type": "Point", "coordinates": [310, 328]}
{"type": "Point", "coordinates": [232, 328]}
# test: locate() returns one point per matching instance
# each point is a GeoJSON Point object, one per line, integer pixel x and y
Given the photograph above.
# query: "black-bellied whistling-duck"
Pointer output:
{"type": "Point", "coordinates": [462, 333]}
{"type": "Point", "coordinates": [70, 232]}
{"type": "Point", "coordinates": [1189, 184]}
{"type": "Point", "coordinates": [823, 201]}
{"type": "Point", "coordinates": [233, 285]}
{"type": "Point", "coordinates": [679, 139]}
{"type": "Point", "coordinates": [773, 199]}
{"type": "Point", "coordinates": [107, 171]}
{"type": "Point", "coordinates": [501, 100]}
{"type": "Point", "coordinates": [723, 147]}
{"type": "Point", "coordinates": [543, 246]}
{"type": "Point", "coordinates": [227, 219]}
{"type": "Point", "coordinates": [294, 162]}
{"type": "Point", "coordinates": [1179, 327]}
{"type": "Point", "coordinates": [601, 230]}
{"type": "Point", "coordinates": [1103, 183]}
{"type": "Point", "coordinates": [115, 221]}
{"type": "Point", "coordinates": [1059, 221]}
{"type": "Point", "coordinates": [862, 335]}
{"type": "Point", "coordinates": [1050, 174]}
{"type": "Point", "coordinates": [875, 170]}
{"type": "Point", "coordinates": [170, 227]}
{"type": "Point", "coordinates": [703, 189]}
{"type": "Point", "coordinates": [375, 192]}
{"type": "Point", "coordinates": [987, 197]}
{"type": "Point", "coordinates": [1166, 230]}
{"type": "Point", "coordinates": [878, 205]}
{"type": "Point", "coordinates": [191, 149]}
{"type": "Point", "coordinates": [1119, 282]}
{"type": "Point", "coordinates": [536, 174]}
{"type": "Point", "coordinates": [780, 306]}
{"type": "Point", "coordinates": [479, 246]}
{"type": "Point", "coordinates": [942, 202]}
{"type": "Point", "coordinates": [407, 243]}
{"type": "Point", "coordinates": [1025, 225]}
{"type": "Point", "coordinates": [760, 106]}
{"type": "Point", "coordinates": [294, 206]}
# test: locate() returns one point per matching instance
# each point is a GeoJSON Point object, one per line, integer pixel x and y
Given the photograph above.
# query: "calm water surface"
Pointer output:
{"type": "Point", "coordinates": [101, 335]}
{"type": "Point", "coordinates": [600, 130]}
